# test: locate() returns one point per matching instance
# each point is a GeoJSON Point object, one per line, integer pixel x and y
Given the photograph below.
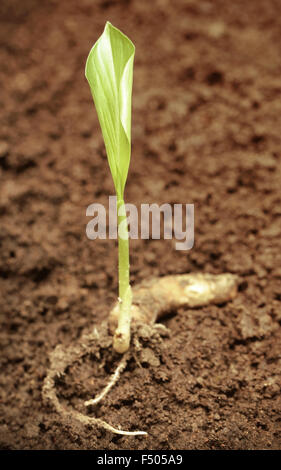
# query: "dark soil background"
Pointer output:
{"type": "Point", "coordinates": [206, 130]}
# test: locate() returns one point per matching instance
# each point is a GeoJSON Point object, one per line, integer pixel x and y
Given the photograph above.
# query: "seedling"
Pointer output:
{"type": "Point", "coordinates": [109, 71]}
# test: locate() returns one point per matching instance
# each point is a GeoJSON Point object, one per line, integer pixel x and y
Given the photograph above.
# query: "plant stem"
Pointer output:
{"type": "Point", "coordinates": [121, 339]}
{"type": "Point", "coordinates": [123, 249]}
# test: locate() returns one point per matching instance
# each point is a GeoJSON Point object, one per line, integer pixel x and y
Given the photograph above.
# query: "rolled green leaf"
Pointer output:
{"type": "Point", "coordinates": [109, 71]}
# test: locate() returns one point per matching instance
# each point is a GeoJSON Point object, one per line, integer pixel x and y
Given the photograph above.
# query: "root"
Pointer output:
{"type": "Point", "coordinates": [114, 378]}
{"type": "Point", "coordinates": [60, 360]}
{"type": "Point", "coordinates": [151, 299]}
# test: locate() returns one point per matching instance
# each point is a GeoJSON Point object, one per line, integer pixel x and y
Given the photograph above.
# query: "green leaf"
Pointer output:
{"type": "Point", "coordinates": [109, 71]}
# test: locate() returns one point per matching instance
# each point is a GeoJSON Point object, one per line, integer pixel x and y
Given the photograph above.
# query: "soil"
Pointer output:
{"type": "Point", "coordinates": [206, 130]}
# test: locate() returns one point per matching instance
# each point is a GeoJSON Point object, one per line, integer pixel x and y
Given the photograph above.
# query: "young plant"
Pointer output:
{"type": "Point", "coordinates": [109, 71]}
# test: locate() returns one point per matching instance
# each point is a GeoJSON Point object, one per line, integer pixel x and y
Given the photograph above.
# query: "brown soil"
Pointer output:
{"type": "Point", "coordinates": [206, 130]}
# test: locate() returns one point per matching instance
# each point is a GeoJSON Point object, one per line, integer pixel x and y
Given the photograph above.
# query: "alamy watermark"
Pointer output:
{"type": "Point", "coordinates": [177, 222]}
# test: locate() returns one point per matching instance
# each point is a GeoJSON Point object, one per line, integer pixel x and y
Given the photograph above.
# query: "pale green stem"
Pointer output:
{"type": "Point", "coordinates": [123, 249]}
{"type": "Point", "coordinates": [121, 341]}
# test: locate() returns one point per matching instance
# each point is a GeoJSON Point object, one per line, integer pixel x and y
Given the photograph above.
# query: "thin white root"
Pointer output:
{"type": "Point", "coordinates": [49, 390]}
{"type": "Point", "coordinates": [114, 378]}
{"type": "Point", "coordinates": [118, 431]}
{"type": "Point", "coordinates": [102, 424]}
{"type": "Point", "coordinates": [57, 370]}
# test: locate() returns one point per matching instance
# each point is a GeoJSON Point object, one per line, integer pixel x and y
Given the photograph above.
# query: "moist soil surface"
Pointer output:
{"type": "Point", "coordinates": [206, 131]}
